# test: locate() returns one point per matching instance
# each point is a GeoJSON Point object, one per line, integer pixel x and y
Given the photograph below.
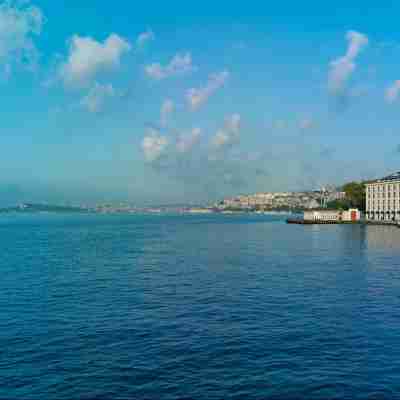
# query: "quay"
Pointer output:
{"type": "Point", "coordinates": [325, 216]}
{"type": "Point", "coordinates": [382, 223]}
{"type": "Point", "coordinates": [335, 217]}
{"type": "Point", "coordinates": [301, 221]}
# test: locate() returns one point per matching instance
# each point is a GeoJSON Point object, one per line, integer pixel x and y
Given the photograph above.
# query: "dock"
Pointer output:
{"type": "Point", "coordinates": [321, 222]}
{"type": "Point", "coordinates": [300, 221]}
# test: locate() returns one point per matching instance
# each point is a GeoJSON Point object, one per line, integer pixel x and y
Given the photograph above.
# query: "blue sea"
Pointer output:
{"type": "Point", "coordinates": [197, 307]}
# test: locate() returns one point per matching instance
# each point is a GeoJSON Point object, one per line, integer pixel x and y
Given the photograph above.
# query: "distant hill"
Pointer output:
{"type": "Point", "coordinates": [29, 207]}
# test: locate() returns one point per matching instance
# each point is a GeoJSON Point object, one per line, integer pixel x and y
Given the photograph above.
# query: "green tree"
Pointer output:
{"type": "Point", "coordinates": [355, 194]}
{"type": "Point", "coordinates": [339, 204]}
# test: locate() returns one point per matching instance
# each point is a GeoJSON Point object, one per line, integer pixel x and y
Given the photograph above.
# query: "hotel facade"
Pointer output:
{"type": "Point", "coordinates": [383, 198]}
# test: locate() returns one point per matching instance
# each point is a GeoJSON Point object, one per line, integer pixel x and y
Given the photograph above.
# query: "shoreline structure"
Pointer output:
{"type": "Point", "coordinates": [300, 221]}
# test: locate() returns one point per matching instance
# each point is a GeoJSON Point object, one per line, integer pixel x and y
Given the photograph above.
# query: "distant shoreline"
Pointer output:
{"type": "Point", "coordinates": [30, 208]}
{"type": "Point", "coordinates": [141, 212]}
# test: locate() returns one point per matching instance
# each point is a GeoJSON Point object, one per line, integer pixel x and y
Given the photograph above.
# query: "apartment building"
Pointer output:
{"type": "Point", "coordinates": [383, 198]}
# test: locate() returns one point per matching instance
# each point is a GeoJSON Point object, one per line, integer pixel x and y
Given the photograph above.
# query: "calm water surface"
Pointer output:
{"type": "Point", "coordinates": [197, 307]}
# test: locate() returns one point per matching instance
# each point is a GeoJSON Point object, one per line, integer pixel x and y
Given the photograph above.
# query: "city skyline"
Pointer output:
{"type": "Point", "coordinates": [175, 104]}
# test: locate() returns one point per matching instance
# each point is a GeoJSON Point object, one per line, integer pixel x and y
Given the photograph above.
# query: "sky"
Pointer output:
{"type": "Point", "coordinates": [177, 102]}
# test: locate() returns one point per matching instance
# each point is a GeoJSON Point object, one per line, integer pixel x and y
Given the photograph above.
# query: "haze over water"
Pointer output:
{"type": "Point", "coordinates": [201, 307]}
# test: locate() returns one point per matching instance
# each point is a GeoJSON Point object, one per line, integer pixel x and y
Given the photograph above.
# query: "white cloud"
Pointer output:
{"type": "Point", "coordinates": [145, 37]}
{"type": "Point", "coordinates": [392, 92]}
{"type": "Point", "coordinates": [87, 58]}
{"type": "Point", "coordinates": [180, 64]}
{"type": "Point", "coordinates": [19, 23]}
{"type": "Point", "coordinates": [185, 143]}
{"type": "Point", "coordinates": [98, 96]}
{"type": "Point", "coordinates": [167, 108]}
{"type": "Point", "coordinates": [196, 97]}
{"type": "Point", "coordinates": [229, 134]}
{"type": "Point", "coordinates": [342, 68]}
{"type": "Point", "coordinates": [154, 145]}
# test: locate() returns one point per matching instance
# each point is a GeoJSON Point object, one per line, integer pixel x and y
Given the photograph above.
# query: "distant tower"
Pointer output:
{"type": "Point", "coordinates": [324, 197]}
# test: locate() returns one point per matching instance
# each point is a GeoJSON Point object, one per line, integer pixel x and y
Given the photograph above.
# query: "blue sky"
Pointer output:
{"type": "Point", "coordinates": [175, 102]}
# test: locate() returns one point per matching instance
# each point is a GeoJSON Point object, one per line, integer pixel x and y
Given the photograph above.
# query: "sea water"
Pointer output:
{"type": "Point", "coordinates": [197, 307]}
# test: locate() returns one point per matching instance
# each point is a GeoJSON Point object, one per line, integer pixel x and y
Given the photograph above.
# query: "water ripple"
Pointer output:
{"type": "Point", "coordinates": [197, 307]}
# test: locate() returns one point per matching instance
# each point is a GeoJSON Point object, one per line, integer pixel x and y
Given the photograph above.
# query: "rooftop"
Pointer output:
{"type": "Point", "coordinates": [393, 177]}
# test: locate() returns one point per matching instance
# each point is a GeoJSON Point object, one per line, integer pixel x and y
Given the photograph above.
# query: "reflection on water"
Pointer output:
{"type": "Point", "coordinates": [383, 238]}
{"type": "Point", "coordinates": [354, 237]}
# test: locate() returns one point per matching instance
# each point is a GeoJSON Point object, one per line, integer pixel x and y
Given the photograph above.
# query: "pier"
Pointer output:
{"type": "Point", "coordinates": [301, 221]}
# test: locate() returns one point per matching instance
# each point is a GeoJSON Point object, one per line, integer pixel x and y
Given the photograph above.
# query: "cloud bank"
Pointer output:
{"type": "Point", "coordinates": [210, 167]}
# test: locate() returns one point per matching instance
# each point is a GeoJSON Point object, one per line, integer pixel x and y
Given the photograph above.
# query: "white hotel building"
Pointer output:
{"type": "Point", "coordinates": [383, 198]}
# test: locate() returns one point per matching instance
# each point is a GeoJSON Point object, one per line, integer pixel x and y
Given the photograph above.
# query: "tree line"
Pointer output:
{"type": "Point", "coordinates": [355, 197]}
